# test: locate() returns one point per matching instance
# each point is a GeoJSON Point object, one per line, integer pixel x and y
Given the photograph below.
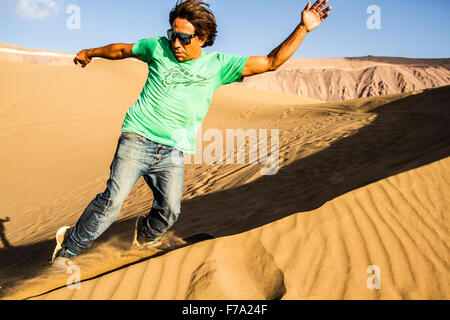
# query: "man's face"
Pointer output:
{"type": "Point", "coordinates": [186, 52]}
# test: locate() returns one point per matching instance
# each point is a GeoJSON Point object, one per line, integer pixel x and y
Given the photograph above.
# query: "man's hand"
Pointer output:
{"type": "Point", "coordinates": [313, 16]}
{"type": "Point", "coordinates": [82, 58]}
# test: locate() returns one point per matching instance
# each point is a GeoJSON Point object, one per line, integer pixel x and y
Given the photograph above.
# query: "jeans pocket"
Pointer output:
{"type": "Point", "coordinates": [173, 157]}
{"type": "Point", "coordinates": [179, 156]}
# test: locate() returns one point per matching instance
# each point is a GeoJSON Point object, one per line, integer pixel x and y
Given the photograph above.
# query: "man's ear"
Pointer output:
{"type": "Point", "coordinates": [202, 40]}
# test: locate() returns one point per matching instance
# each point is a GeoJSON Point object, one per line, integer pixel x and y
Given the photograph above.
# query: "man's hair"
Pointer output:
{"type": "Point", "coordinates": [198, 13]}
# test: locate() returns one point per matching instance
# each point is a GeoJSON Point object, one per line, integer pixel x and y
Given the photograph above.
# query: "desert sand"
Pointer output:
{"type": "Point", "coordinates": [361, 183]}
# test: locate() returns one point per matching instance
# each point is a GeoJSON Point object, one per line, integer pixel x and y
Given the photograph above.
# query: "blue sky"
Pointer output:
{"type": "Point", "coordinates": [409, 28]}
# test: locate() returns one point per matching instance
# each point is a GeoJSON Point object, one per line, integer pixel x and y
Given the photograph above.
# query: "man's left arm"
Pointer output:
{"type": "Point", "coordinates": [311, 19]}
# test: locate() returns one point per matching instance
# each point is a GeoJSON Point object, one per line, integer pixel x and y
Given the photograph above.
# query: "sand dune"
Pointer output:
{"type": "Point", "coordinates": [334, 79]}
{"type": "Point", "coordinates": [34, 56]}
{"type": "Point", "coordinates": [319, 254]}
{"type": "Point", "coordinates": [361, 182]}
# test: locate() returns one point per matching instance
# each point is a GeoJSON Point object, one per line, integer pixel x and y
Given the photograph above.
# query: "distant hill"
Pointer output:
{"type": "Point", "coordinates": [334, 79]}
{"type": "Point", "coordinates": [34, 56]}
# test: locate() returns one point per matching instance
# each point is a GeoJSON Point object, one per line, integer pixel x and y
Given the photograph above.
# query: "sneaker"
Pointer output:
{"type": "Point", "coordinates": [62, 260]}
{"type": "Point", "coordinates": [61, 237]}
{"type": "Point", "coordinates": [141, 242]}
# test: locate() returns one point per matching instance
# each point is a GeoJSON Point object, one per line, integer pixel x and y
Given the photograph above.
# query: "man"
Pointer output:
{"type": "Point", "coordinates": [161, 126]}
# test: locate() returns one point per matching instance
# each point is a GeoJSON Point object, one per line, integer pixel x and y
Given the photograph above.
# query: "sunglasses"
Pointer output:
{"type": "Point", "coordinates": [183, 37]}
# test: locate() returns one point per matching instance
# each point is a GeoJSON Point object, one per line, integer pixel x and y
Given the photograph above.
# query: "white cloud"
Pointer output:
{"type": "Point", "coordinates": [37, 9]}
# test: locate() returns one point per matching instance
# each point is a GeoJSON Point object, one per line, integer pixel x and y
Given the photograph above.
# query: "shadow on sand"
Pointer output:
{"type": "Point", "coordinates": [406, 134]}
{"type": "Point", "coordinates": [3, 238]}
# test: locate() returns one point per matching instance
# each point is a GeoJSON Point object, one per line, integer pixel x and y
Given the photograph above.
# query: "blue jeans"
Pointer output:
{"type": "Point", "coordinates": [163, 169]}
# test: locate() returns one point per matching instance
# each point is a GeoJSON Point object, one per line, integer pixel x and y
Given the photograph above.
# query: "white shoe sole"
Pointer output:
{"type": "Point", "coordinates": [60, 235]}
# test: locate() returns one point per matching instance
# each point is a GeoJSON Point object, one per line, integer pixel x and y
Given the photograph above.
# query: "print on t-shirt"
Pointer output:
{"type": "Point", "coordinates": [177, 76]}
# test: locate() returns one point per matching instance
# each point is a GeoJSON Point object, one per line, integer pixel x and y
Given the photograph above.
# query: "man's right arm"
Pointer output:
{"type": "Point", "coordinates": [113, 52]}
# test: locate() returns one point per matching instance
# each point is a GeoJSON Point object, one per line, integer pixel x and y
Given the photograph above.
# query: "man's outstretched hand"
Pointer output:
{"type": "Point", "coordinates": [82, 58]}
{"type": "Point", "coordinates": [313, 16]}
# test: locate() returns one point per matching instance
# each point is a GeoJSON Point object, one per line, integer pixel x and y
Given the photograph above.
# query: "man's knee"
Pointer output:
{"type": "Point", "coordinates": [113, 196]}
{"type": "Point", "coordinates": [160, 220]}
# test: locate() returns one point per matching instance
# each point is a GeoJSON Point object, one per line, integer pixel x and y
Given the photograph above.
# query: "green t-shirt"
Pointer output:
{"type": "Point", "coordinates": [177, 95]}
